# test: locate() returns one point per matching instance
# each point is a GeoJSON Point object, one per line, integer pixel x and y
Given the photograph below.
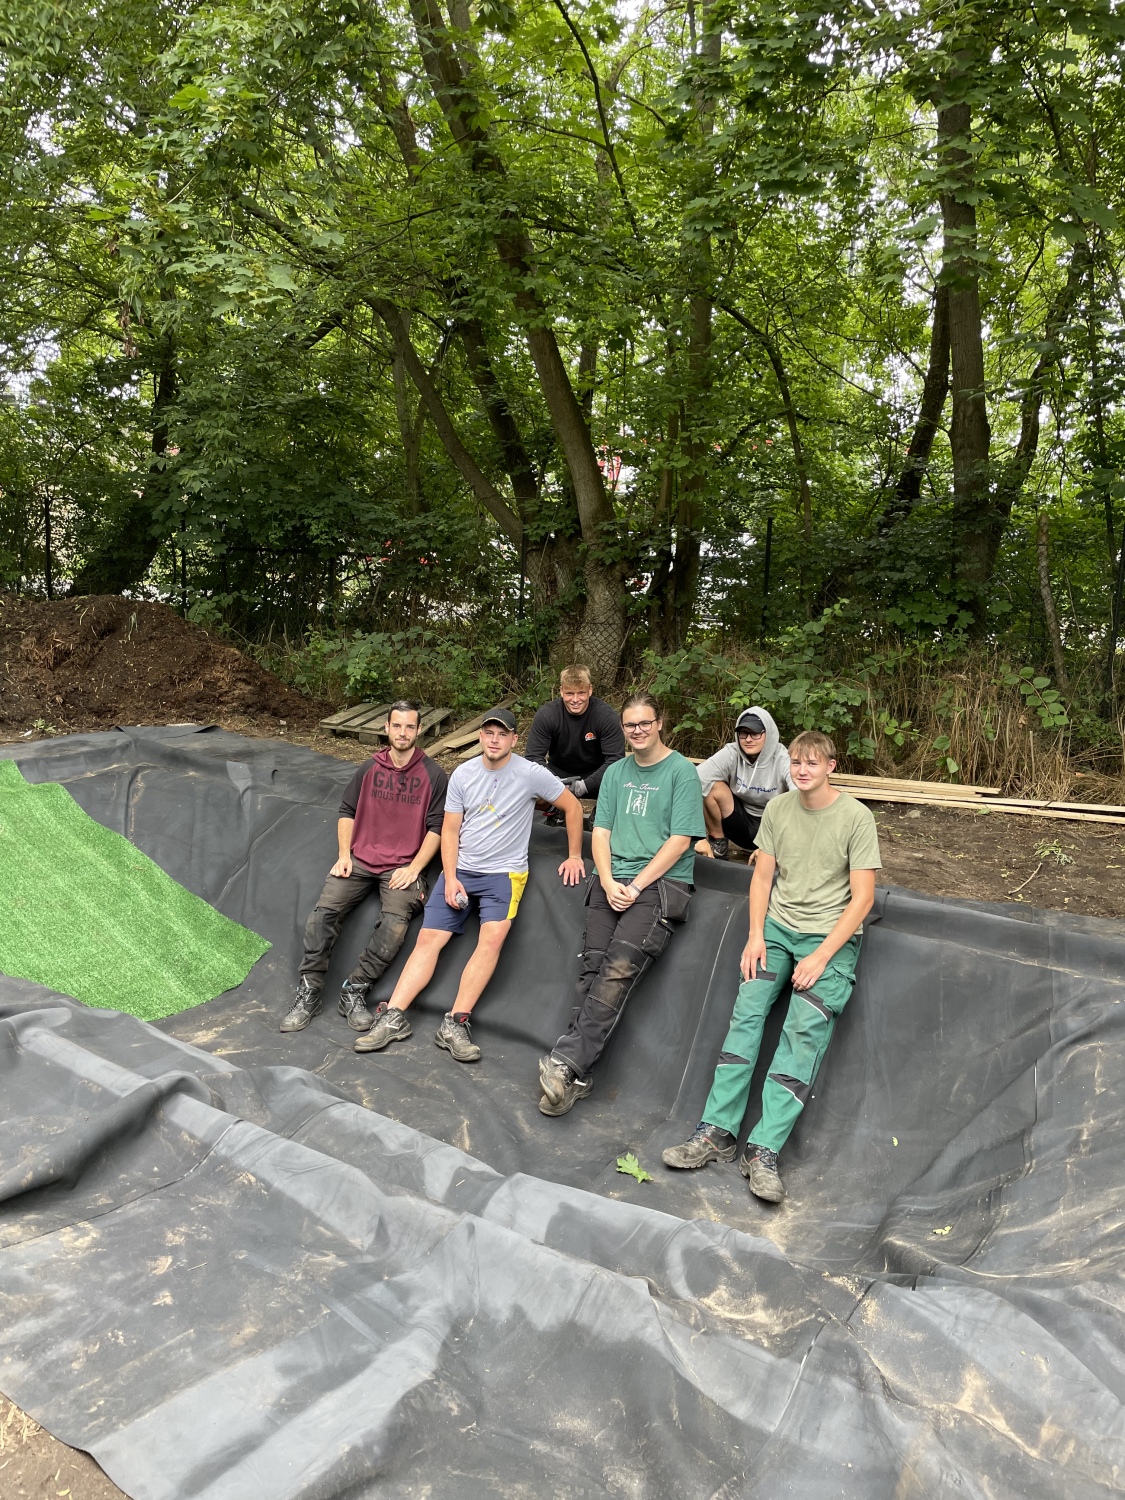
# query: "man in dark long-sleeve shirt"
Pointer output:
{"type": "Point", "coordinates": [576, 734]}
{"type": "Point", "coordinates": [388, 831]}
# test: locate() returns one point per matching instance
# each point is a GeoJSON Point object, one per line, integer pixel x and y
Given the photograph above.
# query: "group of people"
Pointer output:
{"type": "Point", "coordinates": [814, 849]}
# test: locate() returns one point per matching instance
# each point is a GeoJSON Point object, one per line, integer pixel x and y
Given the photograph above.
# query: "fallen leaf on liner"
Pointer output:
{"type": "Point", "coordinates": [632, 1168]}
{"type": "Point", "coordinates": [946, 1230]}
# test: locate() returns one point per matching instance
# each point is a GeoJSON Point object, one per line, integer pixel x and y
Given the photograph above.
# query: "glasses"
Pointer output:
{"type": "Point", "coordinates": [640, 726]}
{"type": "Point", "coordinates": [751, 734]}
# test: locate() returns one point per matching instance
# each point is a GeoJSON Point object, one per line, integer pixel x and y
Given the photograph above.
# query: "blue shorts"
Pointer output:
{"type": "Point", "coordinates": [496, 896]}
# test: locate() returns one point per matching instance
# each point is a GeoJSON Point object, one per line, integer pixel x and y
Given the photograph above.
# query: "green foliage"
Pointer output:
{"type": "Point", "coordinates": [1039, 695]}
{"type": "Point", "coordinates": [632, 1168]}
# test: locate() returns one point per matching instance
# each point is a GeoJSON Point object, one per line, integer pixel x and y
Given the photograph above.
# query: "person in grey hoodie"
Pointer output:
{"type": "Point", "coordinates": [739, 780]}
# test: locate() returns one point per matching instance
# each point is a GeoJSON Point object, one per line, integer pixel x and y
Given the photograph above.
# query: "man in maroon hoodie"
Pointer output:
{"type": "Point", "coordinates": [389, 830]}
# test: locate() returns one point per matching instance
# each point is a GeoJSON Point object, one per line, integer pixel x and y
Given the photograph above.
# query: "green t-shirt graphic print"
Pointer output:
{"type": "Point", "coordinates": [644, 806]}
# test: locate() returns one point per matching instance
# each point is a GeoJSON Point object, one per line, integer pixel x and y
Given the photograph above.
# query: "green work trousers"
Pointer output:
{"type": "Point", "coordinates": [804, 1040]}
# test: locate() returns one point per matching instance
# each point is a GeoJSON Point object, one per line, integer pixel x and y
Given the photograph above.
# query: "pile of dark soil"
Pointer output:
{"type": "Point", "coordinates": [92, 663]}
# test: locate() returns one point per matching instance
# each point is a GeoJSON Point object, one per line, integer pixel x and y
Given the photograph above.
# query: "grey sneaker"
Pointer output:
{"type": "Point", "coordinates": [353, 1004]}
{"type": "Point", "coordinates": [562, 1088]}
{"type": "Point", "coordinates": [389, 1026]}
{"type": "Point", "coordinates": [760, 1165]}
{"type": "Point", "coordinates": [720, 848]}
{"type": "Point", "coordinates": [706, 1143]}
{"type": "Point", "coordinates": [455, 1037]}
{"type": "Point", "coordinates": [306, 1004]}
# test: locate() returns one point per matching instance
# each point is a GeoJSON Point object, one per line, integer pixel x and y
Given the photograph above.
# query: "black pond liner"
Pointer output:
{"type": "Point", "coordinates": [236, 1264]}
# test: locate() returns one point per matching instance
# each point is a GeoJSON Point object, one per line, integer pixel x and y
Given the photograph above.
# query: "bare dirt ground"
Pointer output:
{"type": "Point", "coordinates": [34, 1464]}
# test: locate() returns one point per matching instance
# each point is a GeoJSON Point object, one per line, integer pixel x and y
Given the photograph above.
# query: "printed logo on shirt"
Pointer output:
{"type": "Point", "coordinates": [637, 800]}
{"type": "Point", "coordinates": [488, 807]}
{"type": "Point", "coordinates": [589, 735]}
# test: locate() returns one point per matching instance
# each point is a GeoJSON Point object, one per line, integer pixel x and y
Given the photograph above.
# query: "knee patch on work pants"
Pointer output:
{"type": "Point", "coordinates": [804, 1040]}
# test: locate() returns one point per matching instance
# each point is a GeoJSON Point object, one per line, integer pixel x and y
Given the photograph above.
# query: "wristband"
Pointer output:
{"type": "Point", "coordinates": [635, 890]}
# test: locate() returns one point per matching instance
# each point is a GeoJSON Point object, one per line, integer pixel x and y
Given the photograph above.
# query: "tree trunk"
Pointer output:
{"type": "Point", "coordinates": [120, 560]}
{"type": "Point", "coordinates": [1015, 472]}
{"type": "Point", "coordinates": [969, 435]}
{"type": "Point", "coordinates": [935, 389]}
{"type": "Point", "coordinates": [601, 637]}
{"type": "Point", "coordinates": [1050, 614]}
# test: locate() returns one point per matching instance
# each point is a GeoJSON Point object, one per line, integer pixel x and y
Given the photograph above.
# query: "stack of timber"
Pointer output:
{"type": "Point", "coordinates": [366, 722]}
{"type": "Point", "coordinates": [977, 798]}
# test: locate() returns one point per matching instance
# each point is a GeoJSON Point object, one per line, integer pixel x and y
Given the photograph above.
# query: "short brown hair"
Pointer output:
{"type": "Point", "coordinates": [575, 677]}
{"type": "Point", "coordinates": [812, 742]}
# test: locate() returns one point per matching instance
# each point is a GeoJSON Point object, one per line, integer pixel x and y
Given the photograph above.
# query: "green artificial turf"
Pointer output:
{"type": "Point", "coordinates": [85, 913]}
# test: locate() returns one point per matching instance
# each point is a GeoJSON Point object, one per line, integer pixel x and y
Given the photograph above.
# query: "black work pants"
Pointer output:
{"type": "Point", "coordinates": [341, 895]}
{"type": "Point", "coordinates": [617, 949]}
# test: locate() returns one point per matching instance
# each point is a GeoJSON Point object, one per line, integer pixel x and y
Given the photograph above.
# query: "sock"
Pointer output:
{"type": "Point", "coordinates": [462, 1017]}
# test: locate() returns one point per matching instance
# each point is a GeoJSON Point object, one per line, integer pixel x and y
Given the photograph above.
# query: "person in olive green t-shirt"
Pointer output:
{"type": "Point", "coordinates": [805, 928]}
{"type": "Point", "coordinates": [649, 815]}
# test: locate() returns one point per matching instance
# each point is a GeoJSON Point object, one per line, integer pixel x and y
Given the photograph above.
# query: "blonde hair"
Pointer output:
{"type": "Point", "coordinates": [575, 677]}
{"type": "Point", "coordinates": [812, 742]}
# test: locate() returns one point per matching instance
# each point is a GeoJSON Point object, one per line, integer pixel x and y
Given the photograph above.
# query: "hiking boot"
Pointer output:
{"type": "Point", "coordinates": [706, 1143]}
{"type": "Point", "coordinates": [562, 1088]}
{"type": "Point", "coordinates": [353, 1004]}
{"type": "Point", "coordinates": [760, 1165]}
{"type": "Point", "coordinates": [454, 1036]}
{"type": "Point", "coordinates": [388, 1026]}
{"type": "Point", "coordinates": [720, 848]}
{"type": "Point", "coordinates": [306, 1004]}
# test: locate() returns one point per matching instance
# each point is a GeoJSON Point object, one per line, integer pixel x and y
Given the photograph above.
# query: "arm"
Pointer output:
{"type": "Point", "coordinates": [809, 970]}
{"type": "Point", "coordinates": [540, 735]}
{"type": "Point", "coordinates": [616, 894]}
{"type": "Point", "coordinates": [661, 862]}
{"type": "Point", "coordinates": [343, 866]}
{"type": "Point", "coordinates": [572, 868]}
{"type": "Point", "coordinates": [754, 953]}
{"type": "Point", "coordinates": [450, 844]}
{"type": "Point", "coordinates": [719, 767]}
{"type": "Point", "coordinates": [408, 874]}
{"type": "Point", "coordinates": [613, 748]}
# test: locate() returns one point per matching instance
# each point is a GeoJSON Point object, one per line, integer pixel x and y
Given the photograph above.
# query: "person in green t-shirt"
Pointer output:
{"type": "Point", "coordinates": [649, 815]}
{"type": "Point", "coordinates": [805, 929]}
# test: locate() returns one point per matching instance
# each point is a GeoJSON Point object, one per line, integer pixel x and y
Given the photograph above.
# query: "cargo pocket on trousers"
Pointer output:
{"type": "Point", "coordinates": [656, 938]}
{"type": "Point", "coordinates": [675, 898]}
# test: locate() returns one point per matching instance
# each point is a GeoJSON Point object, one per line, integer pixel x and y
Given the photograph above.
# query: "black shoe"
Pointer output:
{"type": "Point", "coordinates": [388, 1026]}
{"type": "Point", "coordinates": [555, 819]}
{"type": "Point", "coordinates": [562, 1088]}
{"type": "Point", "coordinates": [305, 1005]}
{"type": "Point", "coordinates": [353, 1004]}
{"type": "Point", "coordinates": [706, 1143]}
{"type": "Point", "coordinates": [457, 1039]}
{"type": "Point", "coordinates": [720, 848]}
{"type": "Point", "coordinates": [759, 1163]}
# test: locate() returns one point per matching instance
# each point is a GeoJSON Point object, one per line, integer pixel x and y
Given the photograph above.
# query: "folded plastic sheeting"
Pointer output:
{"type": "Point", "coordinates": [232, 1283]}
{"type": "Point", "coordinates": [226, 1278]}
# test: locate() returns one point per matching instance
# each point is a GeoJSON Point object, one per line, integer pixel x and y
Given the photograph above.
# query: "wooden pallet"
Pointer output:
{"type": "Point", "coordinates": [366, 722]}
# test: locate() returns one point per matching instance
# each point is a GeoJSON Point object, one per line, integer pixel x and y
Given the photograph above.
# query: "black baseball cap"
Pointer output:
{"type": "Point", "coordinates": [502, 716]}
{"type": "Point", "coordinates": [750, 721]}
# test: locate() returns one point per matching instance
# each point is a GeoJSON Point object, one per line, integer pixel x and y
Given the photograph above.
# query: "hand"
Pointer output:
{"type": "Point", "coordinates": [619, 896]}
{"type": "Point", "coordinates": [809, 970]}
{"type": "Point", "coordinates": [753, 858]}
{"type": "Point", "coordinates": [572, 870]}
{"type": "Point", "coordinates": [578, 787]}
{"type": "Point", "coordinates": [342, 867]}
{"type": "Point", "coordinates": [403, 877]}
{"type": "Point", "coordinates": [704, 848]}
{"type": "Point", "coordinates": [753, 957]}
{"type": "Point", "coordinates": [453, 889]}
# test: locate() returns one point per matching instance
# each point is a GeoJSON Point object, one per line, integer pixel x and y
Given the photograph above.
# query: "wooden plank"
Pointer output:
{"type": "Point", "coordinates": [939, 788]}
{"type": "Point", "coordinates": [465, 733]}
{"type": "Point", "coordinates": [1012, 806]}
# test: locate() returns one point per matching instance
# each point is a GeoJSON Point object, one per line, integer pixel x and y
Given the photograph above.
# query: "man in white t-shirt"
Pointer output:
{"type": "Point", "coordinates": [489, 807]}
